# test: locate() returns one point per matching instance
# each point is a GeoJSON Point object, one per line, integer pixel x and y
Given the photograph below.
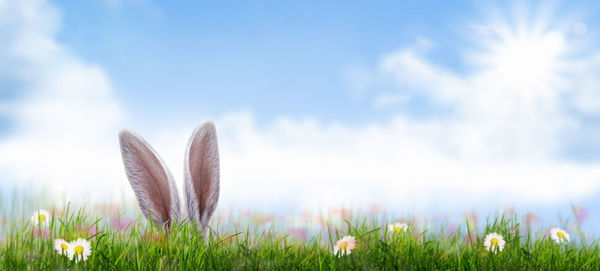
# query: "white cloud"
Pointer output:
{"type": "Point", "coordinates": [580, 28]}
{"type": "Point", "coordinates": [398, 164]}
{"type": "Point", "coordinates": [414, 73]}
{"type": "Point", "coordinates": [586, 89]}
{"type": "Point", "coordinates": [491, 115]}
{"type": "Point", "coordinates": [64, 114]}
{"type": "Point", "coordinates": [401, 164]}
{"type": "Point", "coordinates": [387, 100]}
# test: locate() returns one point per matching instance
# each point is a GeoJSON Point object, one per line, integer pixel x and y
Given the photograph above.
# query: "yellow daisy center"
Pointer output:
{"type": "Point", "coordinates": [494, 242]}
{"type": "Point", "coordinates": [561, 235]}
{"type": "Point", "coordinates": [41, 217]}
{"type": "Point", "coordinates": [63, 246]}
{"type": "Point", "coordinates": [343, 245]}
{"type": "Point", "coordinates": [78, 249]}
{"type": "Point", "coordinates": [398, 229]}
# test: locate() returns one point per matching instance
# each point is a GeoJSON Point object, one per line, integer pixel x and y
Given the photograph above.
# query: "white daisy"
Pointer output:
{"type": "Point", "coordinates": [79, 250]}
{"type": "Point", "coordinates": [559, 235]}
{"type": "Point", "coordinates": [344, 245]}
{"type": "Point", "coordinates": [61, 246]}
{"type": "Point", "coordinates": [40, 218]}
{"type": "Point", "coordinates": [494, 242]}
{"type": "Point", "coordinates": [397, 227]}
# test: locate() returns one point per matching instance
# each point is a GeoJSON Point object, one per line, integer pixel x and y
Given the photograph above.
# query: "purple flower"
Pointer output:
{"type": "Point", "coordinates": [41, 232]}
{"type": "Point", "coordinates": [530, 219]}
{"type": "Point", "coordinates": [451, 230]}
{"type": "Point", "coordinates": [121, 224]}
{"type": "Point", "coordinates": [471, 238]}
{"type": "Point", "coordinates": [580, 214]}
{"type": "Point", "coordinates": [299, 232]}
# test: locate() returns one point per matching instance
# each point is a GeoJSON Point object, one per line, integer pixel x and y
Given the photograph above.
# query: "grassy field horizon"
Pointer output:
{"type": "Point", "coordinates": [261, 241]}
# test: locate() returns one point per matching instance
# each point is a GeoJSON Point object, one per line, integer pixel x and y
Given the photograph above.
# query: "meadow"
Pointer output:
{"type": "Point", "coordinates": [255, 241]}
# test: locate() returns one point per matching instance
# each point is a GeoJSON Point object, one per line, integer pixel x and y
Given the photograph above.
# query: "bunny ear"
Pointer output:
{"type": "Point", "coordinates": [150, 179]}
{"type": "Point", "coordinates": [202, 173]}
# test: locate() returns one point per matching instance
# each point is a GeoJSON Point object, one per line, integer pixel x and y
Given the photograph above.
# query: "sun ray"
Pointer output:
{"type": "Point", "coordinates": [525, 49]}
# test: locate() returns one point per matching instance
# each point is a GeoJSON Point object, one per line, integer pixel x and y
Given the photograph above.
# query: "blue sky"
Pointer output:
{"type": "Point", "coordinates": [428, 105]}
{"type": "Point", "coordinates": [270, 57]}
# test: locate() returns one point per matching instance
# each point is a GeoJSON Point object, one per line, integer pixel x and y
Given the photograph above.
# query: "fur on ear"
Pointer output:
{"type": "Point", "coordinates": [201, 169]}
{"type": "Point", "coordinates": [150, 179]}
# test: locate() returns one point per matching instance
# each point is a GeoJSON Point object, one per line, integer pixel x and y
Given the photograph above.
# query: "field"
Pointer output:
{"type": "Point", "coordinates": [251, 241]}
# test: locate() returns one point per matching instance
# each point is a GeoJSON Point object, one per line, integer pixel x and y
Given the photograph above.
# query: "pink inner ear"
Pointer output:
{"type": "Point", "coordinates": [204, 167]}
{"type": "Point", "coordinates": [157, 185]}
{"type": "Point", "coordinates": [146, 172]}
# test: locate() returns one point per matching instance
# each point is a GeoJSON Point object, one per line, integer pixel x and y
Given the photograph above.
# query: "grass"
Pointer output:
{"type": "Point", "coordinates": [143, 246]}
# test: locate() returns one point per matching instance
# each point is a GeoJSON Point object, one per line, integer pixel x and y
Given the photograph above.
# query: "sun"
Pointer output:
{"type": "Point", "coordinates": [528, 60]}
{"type": "Point", "coordinates": [526, 54]}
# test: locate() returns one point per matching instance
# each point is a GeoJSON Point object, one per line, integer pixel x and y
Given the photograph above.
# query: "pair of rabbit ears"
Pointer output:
{"type": "Point", "coordinates": [154, 186]}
